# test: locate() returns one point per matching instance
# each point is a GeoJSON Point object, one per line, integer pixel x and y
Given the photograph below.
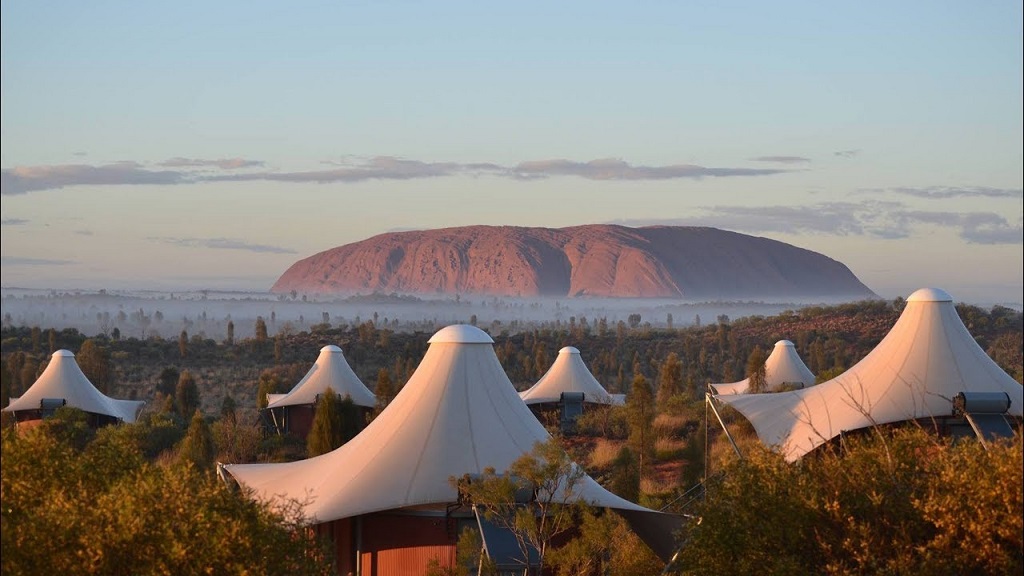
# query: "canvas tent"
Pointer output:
{"type": "Point", "coordinates": [569, 374]}
{"type": "Point", "coordinates": [293, 411]}
{"type": "Point", "coordinates": [458, 414]}
{"type": "Point", "coordinates": [782, 368]}
{"type": "Point", "coordinates": [915, 372]}
{"type": "Point", "coordinates": [64, 383]}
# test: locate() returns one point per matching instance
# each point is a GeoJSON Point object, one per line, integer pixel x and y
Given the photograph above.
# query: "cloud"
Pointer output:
{"type": "Point", "coordinates": [83, 232]}
{"type": "Point", "coordinates": [19, 261]}
{"type": "Point", "coordinates": [836, 218]}
{"type": "Point", "coordinates": [847, 153]}
{"type": "Point", "coordinates": [614, 169]}
{"type": "Point", "coordinates": [379, 168]}
{"type": "Point", "coordinates": [946, 192]}
{"type": "Point", "coordinates": [782, 159]}
{"type": "Point", "coordinates": [222, 244]}
{"type": "Point", "coordinates": [24, 179]}
{"type": "Point", "coordinates": [886, 220]}
{"type": "Point", "coordinates": [13, 222]}
{"type": "Point", "coordinates": [975, 227]}
{"type": "Point", "coordinates": [222, 163]}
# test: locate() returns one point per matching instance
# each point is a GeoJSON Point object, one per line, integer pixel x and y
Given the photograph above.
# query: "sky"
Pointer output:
{"type": "Point", "coordinates": [209, 145]}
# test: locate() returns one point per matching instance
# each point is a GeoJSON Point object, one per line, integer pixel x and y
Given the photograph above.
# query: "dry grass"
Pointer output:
{"type": "Point", "coordinates": [663, 485]}
{"type": "Point", "coordinates": [668, 425]}
{"type": "Point", "coordinates": [604, 453]}
{"type": "Point", "coordinates": [669, 448]}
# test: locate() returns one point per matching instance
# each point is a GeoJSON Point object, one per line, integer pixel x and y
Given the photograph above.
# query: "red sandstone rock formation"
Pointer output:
{"type": "Point", "coordinates": [594, 260]}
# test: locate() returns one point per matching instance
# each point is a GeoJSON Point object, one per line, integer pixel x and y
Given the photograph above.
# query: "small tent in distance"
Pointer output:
{"type": "Point", "coordinates": [63, 383]}
{"type": "Point", "coordinates": [566, 388]}
{"type": "Point", "coordinates": [782, 370]}
{"type": "Point", "coordinates": [293, 412]}
{"type": "Point", "coordinates": [386, 495]}
{"type": "Point", "coordinates": [916, 372]}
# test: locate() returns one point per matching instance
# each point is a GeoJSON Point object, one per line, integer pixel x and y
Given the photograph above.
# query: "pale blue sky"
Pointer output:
{"type": "Point", "coordinates": [210, 145]}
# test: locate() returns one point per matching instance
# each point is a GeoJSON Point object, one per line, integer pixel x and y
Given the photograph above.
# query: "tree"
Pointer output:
{"type": "Point", "coordinates": [186, 395]}
{"type": "Point", "coordinates": [670, 379]}
{"type": "Point", "coordinates": [640, 407]}
{"type": "Point", "coordinates": [228, 408]}
{"type": "Point", "coordinates": [270, 382]}
{"type": "Point", "coordinates": [540, 360]}
{"type": "Point", "coordinates": [93, 360]}
{"type": "Point", "coordinates": [625, 475]}
{"type": "Point", "coordinates": [102, 508]}
{"type": "Point", "coordinates": [230, 341]}
{"type": "Point", "coordinates": [52, 337]}
{"type": "Point", "coordinates": [168, 381]}
{"type": "Point", "coordinates": [197, 447]}
{"type": "Point", "coordinates": [6, 383]}
{"type": "Point", "coordinates": [384, 391]}
{"type": "Point", "coordinates": [335, 422]}
{"type": "Point", "coordinates": [260, 332]}
{"type": "Point", "coordinates": [756, 371]}
{"type": "Point", "coordinates": [550, 476]}
{"type": "Point", "coordinates": [890, 503]}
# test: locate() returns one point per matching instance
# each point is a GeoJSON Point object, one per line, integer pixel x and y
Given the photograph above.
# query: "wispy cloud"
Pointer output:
{"type": "Point", "coordinates": [19, 261]}
{"type": "Point", "coordinates": [24, 179]}
{"type": "Point", "coordinates": [222, 244]}
{"type": "Point", "coordinates": [847, 153]}
{"type": "Point", "coordinates": [888, 220]}
{"type": "Point", "coordinates": [379, 168]}
{"type": "Point", "coordinates": [13, 222]}
{"type": "Point", "coordinates": [222, 163]}
{"type": "Point", "coordinates": [946, 192]}
{"type": "Point", "coordinates": [782, 159]}
{"type": "Point", "coordinates": [615, 169]}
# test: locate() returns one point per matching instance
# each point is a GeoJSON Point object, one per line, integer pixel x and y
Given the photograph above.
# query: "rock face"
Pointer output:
{"type": "Point", "coordinates": [596, 260]}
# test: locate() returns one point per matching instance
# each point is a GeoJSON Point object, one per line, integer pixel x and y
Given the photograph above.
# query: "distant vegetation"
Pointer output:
{"type": "Point", "coordinates": [888, 495]}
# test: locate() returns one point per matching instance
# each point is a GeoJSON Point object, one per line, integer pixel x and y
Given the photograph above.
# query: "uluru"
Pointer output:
{"type": "Point", "coordinates": [599, 260]}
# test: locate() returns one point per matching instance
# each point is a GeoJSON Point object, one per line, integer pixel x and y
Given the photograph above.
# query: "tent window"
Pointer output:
{"type": "Point", "coordinates": [47, 406]}
{"type": "Point", "coordinates": [502, 547]}
{"type": "Point", "coordinates": [984, 411]}
{"type": "Point", "coordinates": [572, 407]}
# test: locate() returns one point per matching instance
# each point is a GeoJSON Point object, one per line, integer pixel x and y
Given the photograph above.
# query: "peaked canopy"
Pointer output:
{"type": "Point", "coordinates": [783, 366]}
{"type": "Point", "coordinates": [458, 414]}
{"type": "Point", "coordinates": [330, 370]}
{"type": "Point", "coordinates": [63, 378]}
{"type": "Point", "coordinates": [568, 374]}
{"type": "Point", "coordinates": [927, 358]}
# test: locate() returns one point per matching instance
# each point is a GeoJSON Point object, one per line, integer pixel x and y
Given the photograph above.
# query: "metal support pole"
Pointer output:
{"type": "Point", "coordinates": [708, 401]}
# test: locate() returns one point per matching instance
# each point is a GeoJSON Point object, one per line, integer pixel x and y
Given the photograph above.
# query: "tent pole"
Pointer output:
{"type": "Point", "coordinates": [359, 545]}
{"type": "Point", "coordinates": [708, 402]}
{"type": "Point", "coordinates": [977, 431]}
{"type": "Point", "coordinates": [707, 430]}
{"type": "Point", "coordinates": [273, 417]}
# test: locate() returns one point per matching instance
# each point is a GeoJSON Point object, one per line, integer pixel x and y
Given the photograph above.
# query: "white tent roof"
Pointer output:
{"type": "Point", "coordinates": [330, 370]}
{"type": "Point", "coordinates": [782, 366]}
{"type": "Point", "coordinates": [63, 378]}
{"type": "Point", "coordinates": [927, 358]}
{"type": "Point", "coordinates": [568, 374]}
{"type": "Point", "coordinates": [458, 414]}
